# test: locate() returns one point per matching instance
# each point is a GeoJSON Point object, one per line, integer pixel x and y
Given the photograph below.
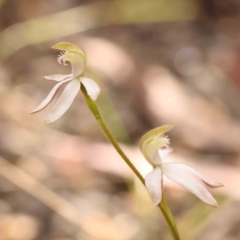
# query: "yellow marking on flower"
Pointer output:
{"type": "Point", "coordinates": [71, 48]}
{"type": "Point", "coordinates": [153, 140]}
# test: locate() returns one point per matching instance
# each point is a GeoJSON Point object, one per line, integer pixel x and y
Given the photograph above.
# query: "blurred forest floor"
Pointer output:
{"type": "Point", "coordinates": [157, 63]}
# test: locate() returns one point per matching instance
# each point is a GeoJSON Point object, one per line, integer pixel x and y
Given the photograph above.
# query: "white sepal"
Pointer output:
{"type": "Point", "coordinates": [59, 77]}
{"type": "Point", "coordinates": [50, 97]}
{"type": "Point", "coordinates": [64, 102]}
{"type": "Point", "coordinates": [153, 182]}
{"type": "Point", "coordinates": [163, 152]}
{"type": "Point", "coordinates": [171, 171]}
{"type": "Point", "coordinates": [209, 182]}
{"type": "Point", "coordinates": [91, 86]}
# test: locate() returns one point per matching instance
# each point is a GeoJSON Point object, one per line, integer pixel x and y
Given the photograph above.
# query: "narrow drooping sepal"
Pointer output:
{"type": "Point", "coordinates": [50, 97]}
{"type": "Point", "coordinates": [190, 183]}
{"type": "Point", "coordinates": [153, 183]}
{"type": "Point", "coordinates": [92, 87]}
{"type": "Point", "coordinates": [59, 77]}
{"type": "Point", "coordinates": [209, 182]}
{"type": "Point", "coordinates": [64, 102]}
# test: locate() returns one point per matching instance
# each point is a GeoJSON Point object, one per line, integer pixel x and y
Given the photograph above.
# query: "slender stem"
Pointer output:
{"type": "Point", "coordinates": [163, 205]}
{"type": "Point", "coordinates": [119, 150]}
{"type": "Point", "coordinates": [169, 218]}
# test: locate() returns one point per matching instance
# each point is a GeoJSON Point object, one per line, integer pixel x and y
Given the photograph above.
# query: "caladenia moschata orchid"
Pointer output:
{"type": "Point", "coordinates": [155, 147]}
{"type": "Point", "coordinates": [77, 58]}
{"type": "Point", "coordinates": [76, 81]}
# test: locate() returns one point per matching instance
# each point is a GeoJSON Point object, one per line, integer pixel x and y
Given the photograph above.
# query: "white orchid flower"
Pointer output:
{"type": "Point", "coordinates": [77, 58]}
{"type": "Point", "coordinates": [154, 146]}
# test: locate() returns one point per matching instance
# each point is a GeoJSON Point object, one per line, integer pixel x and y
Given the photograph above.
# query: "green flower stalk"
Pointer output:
{"type": "Point", "coordinates": [163, 204]}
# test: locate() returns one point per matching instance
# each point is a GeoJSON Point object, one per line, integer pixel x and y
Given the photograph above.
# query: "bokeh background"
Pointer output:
{"type": "Point", "coordinates": [157, 62]}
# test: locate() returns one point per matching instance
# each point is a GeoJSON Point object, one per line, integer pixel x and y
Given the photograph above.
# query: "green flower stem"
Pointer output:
{"type": "Point", "coordinates": [163, 205]}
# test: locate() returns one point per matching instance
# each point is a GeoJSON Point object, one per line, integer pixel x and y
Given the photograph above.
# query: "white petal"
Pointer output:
{"type": "Point", "coordinates": [153, 182]}
{"type": "Point", "coordinates": [209, 182]}
{"type": "Point", "coordinates": [77, 67]}
{"type": "Point", "coordinates": [64, 102]}
{"type": "Point", "coordinates": [177, 175]}
{"type": "Point", "coordinates": [164, 151]}
{"type": "Point", "coordinates": [152, 155]}
{"type": "Point", "coordinates": [59, 77]}
{"type": "Point", "coordinates": [50, 97]}
{"type": "Point", "coordinates": [92, 87]}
